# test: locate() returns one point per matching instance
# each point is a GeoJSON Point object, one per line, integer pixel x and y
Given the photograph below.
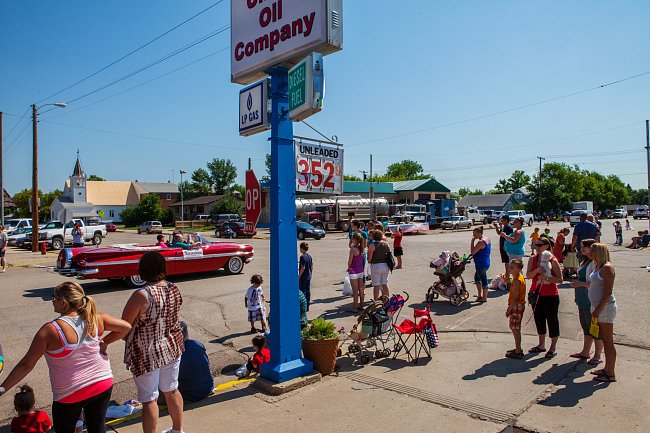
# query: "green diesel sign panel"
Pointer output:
{"type": "Point", "coordinates": [297, 80]}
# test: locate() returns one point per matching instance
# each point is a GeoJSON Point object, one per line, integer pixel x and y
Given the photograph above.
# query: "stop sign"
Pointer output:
{"type": "Point", "coordinates": [253, 201]}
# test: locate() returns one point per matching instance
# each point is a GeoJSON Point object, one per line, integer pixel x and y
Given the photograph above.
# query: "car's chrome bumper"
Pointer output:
{"type": "Point", "coordinates": [74, 272]}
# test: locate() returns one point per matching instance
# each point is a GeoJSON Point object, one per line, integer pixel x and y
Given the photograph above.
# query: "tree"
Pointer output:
{"type": "Point", "coordinates": [201, 184]}
{"type": "Point", "coordinates": [462, 192]}
{"type": "Point", "coordinates": [351, 178]}
{"type": "Point", "coordinates": [147, 210]}
{"type": "Point", "coordinates": [637, 196]}
{"type": "Point", "coordinates": [404, 170]}
{"type": "Point", "coordinates": [518, 179]}
{"type": "Point", "coordinates": [227, 204]}
{"type": "Point", "coordinates": [22, 199]}
{"type": "Point", "coordinates": [222, 175]}
{"type": "Point", "coordinates": [267, 164]}
{"type": "Point", "coordinates": [95, 177]}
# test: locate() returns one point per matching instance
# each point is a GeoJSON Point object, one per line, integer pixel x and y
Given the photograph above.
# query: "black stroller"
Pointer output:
{"type": "Point", "coordinates": [449, 268]}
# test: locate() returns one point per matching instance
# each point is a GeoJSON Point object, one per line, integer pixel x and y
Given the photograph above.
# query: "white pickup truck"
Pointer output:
{"type": "Point", "coordinates": [528, 218]}
{"type": "Point", "coordinates": [59, 237]}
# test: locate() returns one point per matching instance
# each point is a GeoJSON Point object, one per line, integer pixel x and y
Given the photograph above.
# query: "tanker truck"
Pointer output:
{"type": "Point", "coordinates": [335, 213]}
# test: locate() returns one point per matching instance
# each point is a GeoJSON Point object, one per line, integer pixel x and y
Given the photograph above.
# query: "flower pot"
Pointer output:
{"type": "Point", "coordinates": [322, 353]}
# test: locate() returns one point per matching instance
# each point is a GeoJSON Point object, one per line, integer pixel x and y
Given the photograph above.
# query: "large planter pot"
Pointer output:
{"type": "Point", "coordinates": [322, 353]}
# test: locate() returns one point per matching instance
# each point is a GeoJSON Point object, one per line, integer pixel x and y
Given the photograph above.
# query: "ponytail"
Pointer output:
{"type": "Point", "coordinates": [89, 313]}
{"type": "Point", "coordinates": [76, 299]}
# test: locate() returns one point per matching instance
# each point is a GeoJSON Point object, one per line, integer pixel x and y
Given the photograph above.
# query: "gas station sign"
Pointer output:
{"type": "Point", "coordinates": [306, 87]}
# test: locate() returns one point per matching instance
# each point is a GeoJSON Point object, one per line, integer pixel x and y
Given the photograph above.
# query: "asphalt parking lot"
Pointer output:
{"type": "Point", "coordinates": [213, 302]}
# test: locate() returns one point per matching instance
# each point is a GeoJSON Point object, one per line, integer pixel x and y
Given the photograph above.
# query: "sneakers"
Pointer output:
{"type": "Point", "coordinates": [171, 430]}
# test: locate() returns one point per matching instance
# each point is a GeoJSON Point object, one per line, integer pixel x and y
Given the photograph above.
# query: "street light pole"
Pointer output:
{"type": "Point", "coordinates": [182, 204]}
{"type": "Point", "coordinates": [647, 149]}
{"type": "Point", "coordinates": [35, 172]}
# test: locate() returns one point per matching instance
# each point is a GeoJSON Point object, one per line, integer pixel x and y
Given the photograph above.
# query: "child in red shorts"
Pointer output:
{"type": "Point", "coordinates": [516, 306]}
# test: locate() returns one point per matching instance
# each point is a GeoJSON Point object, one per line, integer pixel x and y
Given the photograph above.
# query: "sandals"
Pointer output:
{"type": "Point", "coordinates": [536, 349]}
{"type": "Point", "coordinates": [514, 355]}
{"type": "Point", "coordinates": [595, 361]}
{"type": "Point", "coordinates": [550, 354]}
{"type": "Point", "coordinates": [578, 355]}
{"type": "Point", "coordinates": [604, 377]}
{"type": "Point", "coordinates": [597, 372]}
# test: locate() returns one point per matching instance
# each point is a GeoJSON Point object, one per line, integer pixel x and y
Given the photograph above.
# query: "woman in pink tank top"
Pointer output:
{"type": "Point", "coordinates": [80, 372]}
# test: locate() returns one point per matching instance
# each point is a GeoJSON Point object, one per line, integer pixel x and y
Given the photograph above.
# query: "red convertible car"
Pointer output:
{"type": "Point", "coordinates": [120, 261]}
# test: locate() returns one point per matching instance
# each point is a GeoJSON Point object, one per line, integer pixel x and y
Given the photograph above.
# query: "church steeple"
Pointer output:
{"type": "Point", "coordinates": [78, 182]}
{"type": "Point", "coordinates": [78, 170]}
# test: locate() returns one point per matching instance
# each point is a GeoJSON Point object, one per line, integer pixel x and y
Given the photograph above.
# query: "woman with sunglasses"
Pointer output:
{"type": "Point", "coordinates": [547, 306]}
{"type": "Point", "coordinates": [80, 372]}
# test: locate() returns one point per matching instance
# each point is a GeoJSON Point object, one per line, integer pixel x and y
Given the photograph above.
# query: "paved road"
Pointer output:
{"type": "Point", "coordinates": [213, 302]}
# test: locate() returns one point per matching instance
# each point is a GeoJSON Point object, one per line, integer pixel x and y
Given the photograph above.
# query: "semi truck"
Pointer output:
{"type": "Point", "coordinates": [335, 213]}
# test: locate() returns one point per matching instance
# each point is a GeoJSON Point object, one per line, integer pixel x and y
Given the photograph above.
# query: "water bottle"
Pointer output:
{"type": "Point", "coordinates": [464, 257]}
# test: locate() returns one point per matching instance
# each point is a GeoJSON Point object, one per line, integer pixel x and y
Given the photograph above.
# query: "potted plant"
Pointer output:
{"type": "Point", "coordinates": [320, 342]}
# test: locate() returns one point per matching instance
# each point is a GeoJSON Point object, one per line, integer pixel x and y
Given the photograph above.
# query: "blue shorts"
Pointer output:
{"type": "Point", "coordinates": [480, 277]}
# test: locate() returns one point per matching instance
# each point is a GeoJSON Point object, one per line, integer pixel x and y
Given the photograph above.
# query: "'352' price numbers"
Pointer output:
{"type": "Point", "coordinates": [316, 173]}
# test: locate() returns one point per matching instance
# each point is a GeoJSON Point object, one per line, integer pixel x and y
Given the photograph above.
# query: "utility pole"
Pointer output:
{"type": "Point", "coordinates": [249, 164]}
{"type": "Point", "coordinates": [2, 185]}
{"type": "Point", "coordinates": [34, 180]}
{"type": "Point", "coordinates": [182, 204]}
{"type": "Point", "coordinates": [647, 149]}
{"type": "Point", "coordinates": [372, 193]}
{"type": "Point", "coordinates": [540, 183]}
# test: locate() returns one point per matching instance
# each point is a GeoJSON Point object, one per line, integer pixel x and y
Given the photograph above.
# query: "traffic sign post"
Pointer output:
{"type": "Point", "coordinates": [286, 345]}
{"type": "Point", "coordinates": [253, 201]}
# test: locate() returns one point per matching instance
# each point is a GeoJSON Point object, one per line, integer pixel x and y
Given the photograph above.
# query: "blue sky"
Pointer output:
{"type": "Point", "coordinates": [405, 67]}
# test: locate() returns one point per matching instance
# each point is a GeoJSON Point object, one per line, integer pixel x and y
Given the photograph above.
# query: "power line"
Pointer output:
{"type": "Point", "coordinates": [144, 137]}
{"type": "Point", "coordinates": [62, 113]}
{"type": "Point", "coordinates": [518, 107]}
{"type": "Point", "coordinates": [12, 146]}
{"type": "Point", "coordinates": [17, 123]}
{"type": "Point", "coordinates": [133, 51]}
{"type": "Point", "coordinates": [150, 65]}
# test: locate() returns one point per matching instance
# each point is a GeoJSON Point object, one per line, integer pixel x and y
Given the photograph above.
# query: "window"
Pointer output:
{"type": "Point", "coordinates": [424, 196]}
{"type": "Point", "coordinates": [168, 197]}
{"type": "Point", "coordinates": [199, 209]}
{"type": "Point", "coordinates": [111, 213]}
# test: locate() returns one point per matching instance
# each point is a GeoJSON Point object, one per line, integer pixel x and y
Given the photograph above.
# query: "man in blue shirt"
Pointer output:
{"type": "Point", "coordinates": [583, 230]}
{"type": "Point", "coordinates": [195, 381]}
{"type": "Point", "coordinates": [304, 272]}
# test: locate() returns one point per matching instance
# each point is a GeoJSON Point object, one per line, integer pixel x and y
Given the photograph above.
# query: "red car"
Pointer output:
{"type": "Point", "coordinates": [121, 261]}
{"type": "Point", "coordinates": [233, 229]}
{"type": "Point", "coordinates": [110, 227]}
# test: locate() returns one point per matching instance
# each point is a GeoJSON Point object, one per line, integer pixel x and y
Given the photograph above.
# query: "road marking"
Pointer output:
{"type": "Point", "coordinates": [467, 318]}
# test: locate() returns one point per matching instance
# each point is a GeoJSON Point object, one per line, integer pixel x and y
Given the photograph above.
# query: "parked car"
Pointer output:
{"type": "Point", "coordinates": [120, 262]}
{"type": "Point", "coordinates": [306, 230]}
{"type": "Point", "coordinates": [476, 216]}
{"type": "Point", "coordinates": [221, 219]}
{"type": "Point", "coordinates": [57, 235]}
{"type": "Point", "coordinates": [234, 229]}
{"type": "Point", "coordinates": [456, 222]}
{"type": "Point", "coordinates": [205, 218]}
{"type": "Point", "coordinates": [528, 218]}
{"type": "Point", "coordinates": [620, 212]}
{"type": "Point", "coordinates": [110, 227]}
{"type": "Point", "coordinates": [18, 234]}
{"type": "Point", "coordinates": [17, 223]}
{"type": "Point", "coordinates": [641, 212]}
{"type": "Point", "coordinates": [491, 215]}
{"type": "Point", "coordinates": [150, 227]}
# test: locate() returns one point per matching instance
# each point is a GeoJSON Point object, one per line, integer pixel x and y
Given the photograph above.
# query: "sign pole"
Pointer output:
{"type": "Point", "coordinates": [286, 362]}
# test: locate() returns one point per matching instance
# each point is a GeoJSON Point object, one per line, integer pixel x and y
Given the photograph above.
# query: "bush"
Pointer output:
{"type": "Point", "coordinates": [147, 210]}
{"type": "Point", "coordinates": [227, 204]}
{"type": "Point", "coordinates": [320, 329]}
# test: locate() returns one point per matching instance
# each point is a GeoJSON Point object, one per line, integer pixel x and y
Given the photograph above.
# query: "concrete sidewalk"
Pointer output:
{"type": "Point", "coordinates": [467, 386]}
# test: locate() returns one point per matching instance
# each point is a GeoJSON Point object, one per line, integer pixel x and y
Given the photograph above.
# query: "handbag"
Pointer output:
{"type": "Point", "coordinates": [390, 260]}
{"type": "Point", "coordinates": [594, 329]}
{"type": "Point", "coordinates": [532, 297]}
{"type": "Point", "coordinates": [571, 260]}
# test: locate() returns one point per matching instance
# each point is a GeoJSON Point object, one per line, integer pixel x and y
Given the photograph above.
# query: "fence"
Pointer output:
{"type": "Point", "coordinates": [190, 224]}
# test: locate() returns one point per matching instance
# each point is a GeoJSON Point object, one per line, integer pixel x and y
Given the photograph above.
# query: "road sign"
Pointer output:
{"type": "Point", "coordinates": [265, 33]}
{"type": "Point", "coordinates": [253, 201]}
{"type": "Point", "coordinates": [306, 87]}
{"type": "Point", "coordinates": [254, 108]}
{"type": "Point", "coordinates": [319, 168]}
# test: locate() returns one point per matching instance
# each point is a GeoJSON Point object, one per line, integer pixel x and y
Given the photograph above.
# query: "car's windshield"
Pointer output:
{"type": "Point", "coordinates": [304, 225]}
{"type": "Point", "coordinates": [513, 212]}
{"type": "Point", "coordinates": [11, 223]}
{"type": "Point", "coordinates": [456, 218]}
{"type": "Point", "coordinates": [53, 225]}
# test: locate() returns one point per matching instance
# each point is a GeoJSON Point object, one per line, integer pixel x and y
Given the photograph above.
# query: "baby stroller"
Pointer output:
{"type": "Point", "coordinates": [449, 268]}
{"type": "Point", "coordinates": [374, 329]}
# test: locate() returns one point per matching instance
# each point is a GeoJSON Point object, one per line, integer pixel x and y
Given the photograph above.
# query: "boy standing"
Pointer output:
{"type": "Point", "coordinates": [516, 306]}
{"type": "Point", "coordinates": [254, 302]}
{"type": "Point", "coordinates": [305, 271]}
{"type": "Point", "coordinates": [4, 239]}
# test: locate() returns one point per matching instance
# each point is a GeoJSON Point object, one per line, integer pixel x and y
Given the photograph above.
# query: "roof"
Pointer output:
{"type": "Point", "coordinates": [7, 199]}
{"type": "Point", "coordinates": [420, 185]}
{"type": "Point", "coordinates": [78, 170]}
{"type": "Point", "coordinates": [489, 200]}
{"type": "Point", "coordinates": [358, 187]}
{"type": "Point", "coordinates": [108, 193]}
{"type": "Point", "coordinates": [206, 199]}
{"type": "Point", "coordinates": [155, 187]}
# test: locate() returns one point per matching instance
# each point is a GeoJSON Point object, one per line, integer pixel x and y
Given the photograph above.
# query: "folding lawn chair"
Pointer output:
{"type": "Point", "coordinates": [411, 329]}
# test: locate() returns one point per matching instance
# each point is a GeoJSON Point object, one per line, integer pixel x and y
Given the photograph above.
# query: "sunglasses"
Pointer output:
{"type": "Point", "coordinates": [540, 245]}
{"type": "Point", "coordinates": [54, 298]}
